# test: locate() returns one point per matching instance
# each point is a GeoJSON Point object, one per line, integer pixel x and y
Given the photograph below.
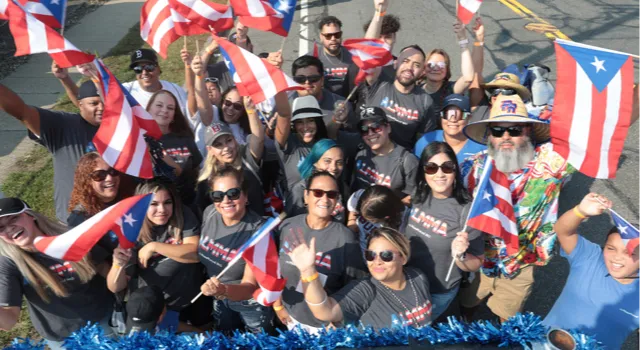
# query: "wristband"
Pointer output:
{"type": "Point", "coordinates": [478, 43]}
{"type": "Point", "coordinates": [381, 14]}
{"type": "Point", "coordinates": [579, 213]}
{"type": "Point", "coordinates": [187, 66]}
{"type": "Point", "coordinates": [463, 43]}
{"type": "Point", "coordinates": [209, 52]}
{"type": "Point", "coordinates": [116, 265]}
{"type": "Point", "coordinates": [310, 278]}
{"type": "Point", "coordinates": [278, 308]}
{"type": "Point", "coordinates": [318, 304]}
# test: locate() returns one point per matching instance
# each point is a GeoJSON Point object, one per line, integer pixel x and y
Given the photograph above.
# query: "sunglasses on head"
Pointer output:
{"type": "Point", "coordinates": [232, 193]}
{"type": "Point", "coordinates": [514, 131]}
{"type": "Point", "coordinates": [385, 255]}
{"type": "Point", "coordinates": [504, 92]}
{"type": "Point", "coordinates": [149, 67]}
{"type": "Point", "coordinates": [337, 35]}
{"type": "Point", "coordinates": [312, 79]}
{"type": "Point", "coordinates": [320, 193]}
{"type": "Point", "coordinates": [236, 105]}
{"type": "Point", "coordinates": [436, 65]}
{"type": "Point", "coordinates": [100, 175]}
{"type": "Point", "coordinates": [447, 167]}
{"type": "Point", "coordinates": [211, 80]}
{"type": "Point", "coordinates": [373, 127]}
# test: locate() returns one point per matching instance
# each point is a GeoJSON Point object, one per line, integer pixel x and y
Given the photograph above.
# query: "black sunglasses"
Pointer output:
{"type": "Point", "coordinates": [100, 175]}
{"type": "Point", "coordinates": [373, 127]}
{"type": "Point", "coordinates": [504, 92]}
{"type": "Point", "coordinates": [447, 167]}
{"type": "Point", "coordinates": [385, 255]}
{"type": "Point", "coordinates": [514, 131]}
{"type": "Point", "coordinates": [319, 193]}
{"type": "Point", "coordinates": [301, 79]}
{"type": "Point", "coordinates": [337, 35]}
{"type": "Point", "coordinates": [232, 193]}
{"type": "Point", "coordinates": [236, 105]}
{"type": "Point", "coordinates": [149, 67]}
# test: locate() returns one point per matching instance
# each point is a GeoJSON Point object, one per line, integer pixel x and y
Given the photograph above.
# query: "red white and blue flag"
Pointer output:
{"type": "Point", "coordinates": [120, 139]}
{"type": "Point", "coordinates": [629, 233]}
{"type": "Point", "coordinates": [492, 209]}
{"type": "Point", "coordinates": [206, 14]}
{"type": "Point", "coordinates": [267, 15]}
{"type": "Point", "coordinates": [368, 54]}
{"type": "Point", "coordinates": [33, 36]}
{"type": "Point", "coordinates": [125, 218]}
{"type": "Point", "coordinates": [466, 9]}
{"type": "Point", "coordinates": [316, 49]}
{"type": "Point", "coordinates": [253, 75]}
{"type": "Point", "coordinates": [593, 102]}
{"type": "Point", "coordinates": [50, 12]}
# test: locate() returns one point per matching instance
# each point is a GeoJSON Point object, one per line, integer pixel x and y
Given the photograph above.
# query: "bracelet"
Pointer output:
{"type": "Point", "coordinates": [463, 43]}
{"type": "Point", "coordinates": [579, 213]}
{"type": "Point", "coordinates": [187, 66]}
{"type": "Point", "coordinates": [381, 14]}
{"type": "Point", "coordinates": [310, 278]}
{"type": "Point", "coordinates": [116, 265]}
{"type": "Point", "coordinates": [277, 308]}
{"type": "Point", "coordinates": [318, 304]}
{"type": "Point", "coordinates": [478, 43]}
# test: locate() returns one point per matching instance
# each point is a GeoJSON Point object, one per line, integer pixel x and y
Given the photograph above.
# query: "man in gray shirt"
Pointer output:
{"type": "Point", "coordinates": [336, 59]}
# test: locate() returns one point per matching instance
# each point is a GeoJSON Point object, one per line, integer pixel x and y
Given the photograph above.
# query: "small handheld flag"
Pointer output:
{"type": "Point", "coordinates": [267, 15]}
{"type": "Point", "coordinates": [629, 234]}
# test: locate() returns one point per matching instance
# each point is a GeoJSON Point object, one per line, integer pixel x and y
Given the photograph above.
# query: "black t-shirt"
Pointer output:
{"type": "Point", "coordinates": [68, 137]}
{"type": "Point", "coordinates": [184, 151]}
{"type": "Point", "coordinates": [89, 302]}
{"type": "Point", "coordinates": [438, 97]}
{"type": "Point", "coordinates": [338, 261]}
{"type": "Point", "coordinates": [370, 302]}
{"type": "Point", "coordinates": [396, 170]}
{"type": "Point", "coordinates": [219, 243]}
{"type": "Point", "coordinates": [335, 69]}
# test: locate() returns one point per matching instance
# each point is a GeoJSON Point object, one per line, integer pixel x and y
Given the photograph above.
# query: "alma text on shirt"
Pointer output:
{"type": "Point", "coordinates": [323, 261]}
{"type": "Point", "coordinates": [217, 250]}
{"type": "Point", "coordinates": [336, 72]}
{"type": "Point", "coordinates": [399, 111]}
{"type": "Point", "coordinates": [179, 155]}
{"type": "Point", "coordinates": [64, 270]}
{"type": "Point", "coordinates": [429, 222]}
{"type": "Point", "coordinates": [372, 175]}
{"type": "Point", "coordinates": [416, 315]}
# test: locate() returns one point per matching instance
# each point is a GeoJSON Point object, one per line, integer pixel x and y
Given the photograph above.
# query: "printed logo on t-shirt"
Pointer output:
{"type": "Point", "coordinates": [416, 315]}
{"type": "Point", "coordinates": [179, 155]}
{"type": "Point", "coordinates": [428, 222]}
{"type": "Point", "coordinates": [372, 175]}
{"type": "Point", "coordinates": [399, 111]}
{"type": "Point", "coordinates": [336, 72]}
{"type": "Point", "coordinates": [64, 270]}
{"type": "Point", "coordinates": [338, 209]}
{"type": "Point", "coordinates": [217, 250]}
{"type": "Point", "coordinates": [323, 261]}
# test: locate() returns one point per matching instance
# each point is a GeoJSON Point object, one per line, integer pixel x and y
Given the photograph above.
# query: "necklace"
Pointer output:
{"type": "Point", "coordinates": [330, 57]}
{"type": "Point", "coordinates": [408, 312]}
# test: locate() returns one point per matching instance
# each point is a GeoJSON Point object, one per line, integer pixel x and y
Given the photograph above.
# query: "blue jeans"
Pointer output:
{"type": "Point", "coordinates": [247, 315]}
{"type": "Point", "coordinates": [442, 301]}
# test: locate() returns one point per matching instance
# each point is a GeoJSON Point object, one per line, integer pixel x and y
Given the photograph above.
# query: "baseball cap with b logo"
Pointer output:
{"type": "Point", "coordinates": [143, 55]}
{"type": "Point", "coordinates": [214, 131]}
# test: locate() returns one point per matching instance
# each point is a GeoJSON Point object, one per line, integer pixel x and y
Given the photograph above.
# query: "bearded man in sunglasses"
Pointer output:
{"type": "Point", "coordinates": [335, 58]}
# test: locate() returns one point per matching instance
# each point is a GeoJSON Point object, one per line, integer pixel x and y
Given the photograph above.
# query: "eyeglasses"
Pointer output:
{"type": "Point", "coordinates": [436, 65]}
{"type": "Point", "coordinates": [149, 67]}
{"type": "Point", "coordinates": [375, 128]}
{"type": "Point", "coordinates": [211, 80]}
{"type": "Point", "coordinates": [514, 131]}
{"type": "Point", "coordinates": [385, 255]}
{"type": "Point", "coordinates": [504, 92]}
{"type": "Point", "coordinates": [301, 79]}
{"type": "Point", "coordinates": [100, 175]}
{"type": "Point", "coordinates": [236, 105]}
{"type": "Point", "coordinates": [328, 36]}
{"type": "Point", "coordinates": [232, 194]}
{"type": "Point", "coordinates": [447, 167]}
{"type": "Point", "coordinates": [320, 193]}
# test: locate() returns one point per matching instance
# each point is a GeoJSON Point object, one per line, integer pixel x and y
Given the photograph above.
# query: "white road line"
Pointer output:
{"type": "Point", "coordinates": [303, 47]}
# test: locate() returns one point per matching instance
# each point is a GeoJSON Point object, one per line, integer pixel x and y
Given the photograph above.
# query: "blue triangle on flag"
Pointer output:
{"type": "Point", "coordinates": [286, 8]}
{"type": "Point", "coordinates": [627, 231]}
{"type": "Point", "coordinates": [227, 61]}
{"type": "Point", "coordinates": [600, 66]}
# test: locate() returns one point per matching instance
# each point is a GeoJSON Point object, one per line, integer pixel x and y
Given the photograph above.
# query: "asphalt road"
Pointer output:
{"type": "Point", "coordinates": [611, 24]}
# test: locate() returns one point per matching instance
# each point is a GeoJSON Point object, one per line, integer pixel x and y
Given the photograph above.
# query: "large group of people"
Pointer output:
{"type": "Point", "coordinates": [377, 191]}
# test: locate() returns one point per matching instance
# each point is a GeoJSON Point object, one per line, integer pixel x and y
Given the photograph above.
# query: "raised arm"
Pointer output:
{"type": "Point", "coordinates": [70, 88]}
{"type": "Point", "coordinates": [203, 104]}
{"type": "Point", "coordinates": [373, 32]}
{"type": "Point", "coordinates": [476, 93]}
{"type": "Point", "coordinates": [567, 226]}
{"type": "Point", "coordinates": [283, 123]}
{"type": "Point", "coordinates": [256, 143]}
{"type": "Point", "coordinates": [466, 62]}
{"type": "Point", "coordinates": [11, 103]}
{"type": "Point", "coordinates": [189, 81]}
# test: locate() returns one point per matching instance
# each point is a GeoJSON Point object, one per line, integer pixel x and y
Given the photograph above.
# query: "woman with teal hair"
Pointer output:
{"type": "Point", "coordinates": [325, 155]}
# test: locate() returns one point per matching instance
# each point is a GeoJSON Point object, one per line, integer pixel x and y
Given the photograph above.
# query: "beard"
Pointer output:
{"type": "Point", "coordinates": [406, 82]}
{"type": "Point", "coordinates": [508, 161]}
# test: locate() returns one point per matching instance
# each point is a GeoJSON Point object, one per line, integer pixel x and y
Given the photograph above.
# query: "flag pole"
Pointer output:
{"type": "Point", "coordinates": [115, 280]}
{"type": "Point", "coordinates": [353, 91]}
{"type": "Point", "coordinates": [284, 39]}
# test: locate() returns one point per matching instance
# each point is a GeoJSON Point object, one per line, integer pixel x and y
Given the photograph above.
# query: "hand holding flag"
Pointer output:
{"type": "Point", "coordinates": [267, 15]}
{"type": "Point", "coordinates": [630, 235]}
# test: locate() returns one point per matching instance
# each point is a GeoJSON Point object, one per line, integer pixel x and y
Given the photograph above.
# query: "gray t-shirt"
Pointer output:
{"type": "Point", "coordinates": [396, 170]}
{"type": "Point", "coordinates": [58, 318]}
{"type": "Point", "coordinates": [290, 156]}
{"type": "Point", "coordinates": [370, 302]}
{"type": "Point", "coordinates": [335, 69]}
{"type": "Point", "coordinates": [327, 105]}
{"type": "Point", "coordinates": [431, 228]}
{"type": "Point", "coordinates": [338, 261]}
{"type": "Point", "coordinates": [410, 114]}
{"type": "Point", "coordinates": [219, 242]}
{"type": "Point", "coordinates": [68, 137]}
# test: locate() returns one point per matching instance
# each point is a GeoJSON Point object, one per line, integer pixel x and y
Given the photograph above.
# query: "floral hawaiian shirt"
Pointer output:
{"type": "Point", "coordinates": [535, 190]}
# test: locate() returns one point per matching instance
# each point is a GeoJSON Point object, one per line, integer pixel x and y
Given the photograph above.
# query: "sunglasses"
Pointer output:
{"type": "Point", "coordinates": [385, 255]}
{"type": "Point", "coordinates": [447, 167]}
{"type": "Point", "coordinates": [146, 67]}
{"type": "Point", "coordinates": [437, 65]}
{"type": "Point", "coordinates": [514, 131]}
{"type": "Point", "coordinates": [328, 36]}
{"type": "Point", "coordinates": [236, 105]}
{"type": "Point", "coordinates": [375, 128]}
{"type": "Point", "coordinates": [312, 79]}
{"type": "Point", "coordinates": [100, 175]}
{"type": "Point", "coordinates": [211, 80]}
{"type": "Point", "coordinates": [452, 115]}
{"type": "Point", "coordinates": [320, 193]}
{"type": "Point", "coordinates": [232, 193]}
{"type": "Point", "coordinates": [504, 92]}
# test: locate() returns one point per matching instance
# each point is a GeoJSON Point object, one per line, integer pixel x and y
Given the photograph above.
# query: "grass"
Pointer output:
{"type": "Point", "coordinates": [34, 181]}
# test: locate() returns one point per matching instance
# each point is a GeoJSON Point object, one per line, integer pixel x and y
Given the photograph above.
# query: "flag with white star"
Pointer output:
{"type": "Point", "coordinates": [593, 103]}
{"type": "Point", "coordinates": [268, 15]}
{"type": "Point", "coordinates": [629, 233]}
{"type": "Point", "coordinates": [50, 12]}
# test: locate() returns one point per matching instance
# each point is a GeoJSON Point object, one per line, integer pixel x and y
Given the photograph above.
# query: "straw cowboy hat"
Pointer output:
{"type": "Point", "coordinates": [508, 81]}
{"type": "Point", "coordinates": [507, 109]}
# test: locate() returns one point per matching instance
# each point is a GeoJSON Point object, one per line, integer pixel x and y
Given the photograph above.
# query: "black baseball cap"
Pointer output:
{"type": "Point", "coordinates": [144, 308]}
{"type": "Point", "coordinates": [87, 89]}
{"type": "Point", "coordinates": [457, 100]}
{"type": "Point", "coordinates": [12, 206]}
{"type": "Point", "coordinates": [374, 114]}
{"type": "Point", "coordinates": [143, 55]}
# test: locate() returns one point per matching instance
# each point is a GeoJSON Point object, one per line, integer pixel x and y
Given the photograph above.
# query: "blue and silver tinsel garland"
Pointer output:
{"type": "Point", "coordinates": [521, 330]}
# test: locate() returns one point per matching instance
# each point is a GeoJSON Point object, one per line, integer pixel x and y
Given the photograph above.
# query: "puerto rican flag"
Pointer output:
{"type": "Point", "coordinates": [50, 12]}
{"type": "Point", "coordinates": [267, 15]}
{"type": "Point", "coordinates": [368, 54]}
{"type": "Point", "coordinates": [492, 209]}
{"type": "Point", "coordinates": [33, 36]}
{"type": "Point", "coordinates": [253, 75]}
{"type": "Point", "coordinates": [125, 216]}
{"type": "Point", "coordinates": [316, 50]}
{"type": "Point", "coordinates": [629, 234]}
{"type": "Point", "coordinates": [593, 102]}
{"type": "Point", "coordinates": [206, 14]}
{"type": "Point", "coordinates": [120, 139]}
{"type": "Point", "coordinates": [466, 9]}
